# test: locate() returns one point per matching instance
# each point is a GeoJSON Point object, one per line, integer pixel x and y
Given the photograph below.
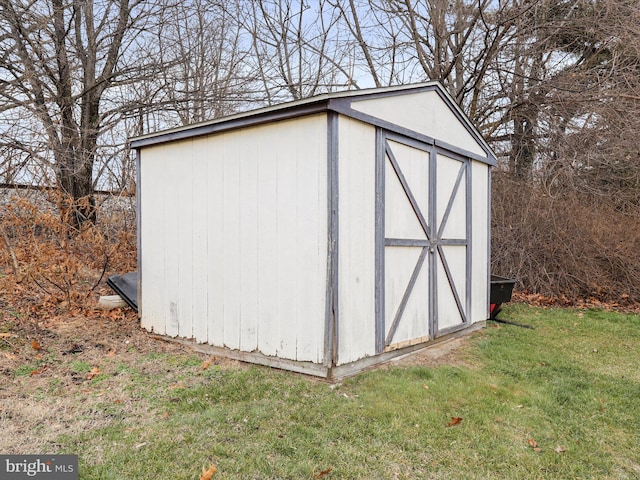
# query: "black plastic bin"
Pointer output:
{"type": "Point", "coordinates": [501, 290]}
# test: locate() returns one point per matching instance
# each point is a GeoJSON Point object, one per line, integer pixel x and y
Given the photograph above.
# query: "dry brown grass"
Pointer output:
{"type": "Point", "coordinates": [566, 247]}
{"type": "Point", "coordinates": [47, 267]}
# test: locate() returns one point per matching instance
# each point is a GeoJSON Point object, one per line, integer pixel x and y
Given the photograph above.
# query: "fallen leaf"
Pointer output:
{"type": "Point", "coordinates": [534, 445]}
{"type": "Point", "coordinates": [454, 421]}
{"type": "Point", "coordinates": [9, 355]}
{"type": "Point", "coordinates": [38, 371]}
{"type": "Point", "coordinates": [94, 371]}
{"type": "Point", "coordinates": [425, 386]}
{"type": "Point", "coordinates": [322, 473]}
{"type": "Point", "coordinates": [36, 345]}
{"type": "Point", "coordinates": [205, 364]}
{"type": "Point", "coordinates": [6, 335]}
{"type": "Point", "coordinates": [180, 384]}
{"type": "Point", "coordinates": [560, 449]}
{"type": "Point", "coordinates": [207, 474]}
{"type": "Point", "coordinates": [111, 353]}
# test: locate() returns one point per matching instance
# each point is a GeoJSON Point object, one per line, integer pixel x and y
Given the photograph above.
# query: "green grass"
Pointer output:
{"type": "Point", "coordinates": [572, 385]}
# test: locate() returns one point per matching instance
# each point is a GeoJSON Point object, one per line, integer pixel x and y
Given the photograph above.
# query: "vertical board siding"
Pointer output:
{"type": "Point", "coordinates": [152, 214]}
{"type": "Point", "coordinates": [213, 155]}
{"type": "Point", "coordinates": [200, 283]}
{"type": "Point", "coordinates": [268, 299]}
{"type": "Point", "coordinates": [172, 159]}
{"type": "Point", "coordinates": [356, 329]}
{"type": "Point", "coordinates": [249, 239]}
{"type": "Point", "coordinates": [311, 239]}
{"type": "Point", "coordinates": [286, 249]}
{"type": "Point", "coordinates": [185, 223]}
{"type": "Point", "coordinates": [230, 241]}
{"type": "Point", "coordinates": [480, 248]}
{"type": "Point", "coordinates": [234, 232]}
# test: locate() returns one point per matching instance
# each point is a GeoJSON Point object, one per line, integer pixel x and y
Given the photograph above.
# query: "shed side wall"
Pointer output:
{"type": "Point", "coordinates": [245, 266]}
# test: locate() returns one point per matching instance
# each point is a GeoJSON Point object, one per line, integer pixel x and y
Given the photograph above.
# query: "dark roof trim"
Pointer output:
{"type": "Point", "coordinates": [229, 124]}
{"type": "Point", "coordinates": [345, 109]}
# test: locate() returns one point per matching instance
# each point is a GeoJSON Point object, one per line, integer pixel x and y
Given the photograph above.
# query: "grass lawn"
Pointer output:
{"type": "Point", "coordinates": [559, 401]}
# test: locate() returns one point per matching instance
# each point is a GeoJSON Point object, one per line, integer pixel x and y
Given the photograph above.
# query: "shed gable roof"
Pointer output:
{"type": "Point", "coordinates": [365, 105]}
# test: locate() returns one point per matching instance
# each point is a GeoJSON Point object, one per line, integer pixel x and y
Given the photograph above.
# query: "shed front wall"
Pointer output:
{"type": "Point", "coordinates": [234, 238]}
{"type": "Point", "coordinates": [431, 274]}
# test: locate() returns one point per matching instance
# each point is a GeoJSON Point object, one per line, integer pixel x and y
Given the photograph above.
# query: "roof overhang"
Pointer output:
{"type": "Point", "coordinates": [339, 102]}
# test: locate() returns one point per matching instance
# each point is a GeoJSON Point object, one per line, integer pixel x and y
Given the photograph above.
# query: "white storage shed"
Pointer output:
{"type": "Point", "coordinates": [322, 236]}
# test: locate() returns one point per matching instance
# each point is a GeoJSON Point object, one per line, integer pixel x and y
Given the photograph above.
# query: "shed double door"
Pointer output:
{"type": "Point", "coordinates": [423, 261]}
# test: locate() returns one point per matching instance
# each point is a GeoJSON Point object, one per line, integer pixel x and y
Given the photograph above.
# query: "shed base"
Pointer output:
{"type": "Point", "coordinates": [331, 374]}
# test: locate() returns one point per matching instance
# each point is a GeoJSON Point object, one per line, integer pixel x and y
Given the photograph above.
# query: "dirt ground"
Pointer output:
{"type": "Point", "coordinates": [64, 374]}
{"type": "Point", "coordinates": [49, 372]}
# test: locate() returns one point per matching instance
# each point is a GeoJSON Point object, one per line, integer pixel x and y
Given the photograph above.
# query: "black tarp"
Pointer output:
{"type": "Point", "coordinates": [126, 285]}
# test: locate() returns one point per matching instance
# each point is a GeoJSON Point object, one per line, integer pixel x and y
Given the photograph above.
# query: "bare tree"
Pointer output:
{"type": "Point", "coordinates": [60, 58]}
{"type": "Point", "coordinates": [296, 48]}
{"type": "Point", "coordinates": [204, 71]}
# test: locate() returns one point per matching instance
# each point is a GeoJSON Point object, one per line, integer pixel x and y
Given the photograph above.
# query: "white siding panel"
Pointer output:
{"type": "Point", "coordinates": [287, 273]}
{"type": "Point", "coordinates": [480, 225]}
{"type": "Point", "coordinates": [249, 239]}
{"type": "Point", "coordinates": [231, 205]}
{"type": "Point", "coordinates": [200, 247]}
{"type": "Point", "coordinates": [268, 314]}
{"type": "Point", "coordinates": [356, 242]}
{"type": "Point", "coordinates": [184, 226]}
{"type": "Point", "coordinates": [447, 173]}
{"type": "Point", "coordinates": [448, 312]}
{"type": "Point", "coordinates": [216, 250]}
{"type": "Point", "coordinates": [172, 156]}
{"type": "Point", "coordinates": [152, 206]}
{"type": "Point", "coordinates": [311, 238]}
{"type": "Point", "coordinates": [422, 112]}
